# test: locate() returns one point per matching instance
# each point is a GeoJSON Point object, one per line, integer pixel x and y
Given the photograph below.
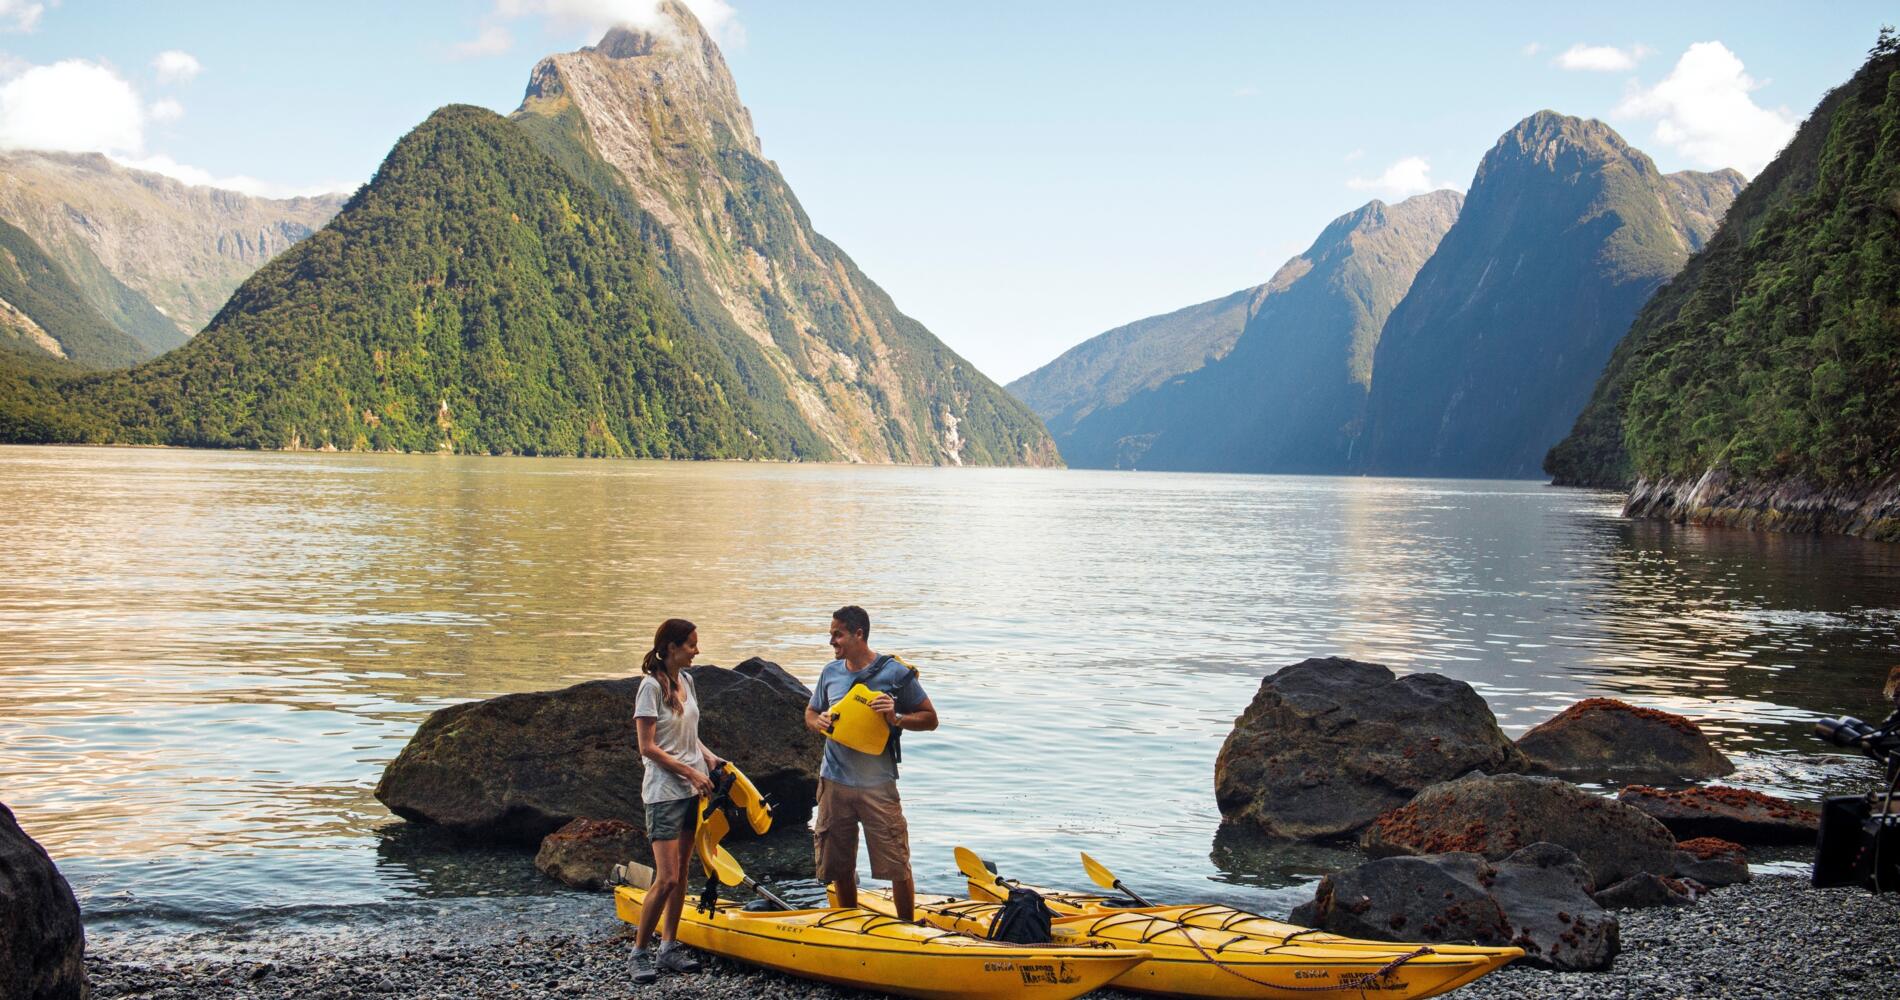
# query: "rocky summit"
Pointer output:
{"type": "Point", "coordinates": [661, 110]}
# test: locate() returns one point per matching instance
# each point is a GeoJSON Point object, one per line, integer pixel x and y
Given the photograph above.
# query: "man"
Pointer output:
{"type": "Point", "coordinates": [860, 789]}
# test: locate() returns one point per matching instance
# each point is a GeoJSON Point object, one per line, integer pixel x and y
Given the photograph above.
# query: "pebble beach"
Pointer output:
{"type": "Point", "coordinates": [1775, 937]}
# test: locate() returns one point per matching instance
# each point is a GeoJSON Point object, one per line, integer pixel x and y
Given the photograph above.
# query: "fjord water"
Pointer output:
{"type": "Point", "coordinates": [206, 658]}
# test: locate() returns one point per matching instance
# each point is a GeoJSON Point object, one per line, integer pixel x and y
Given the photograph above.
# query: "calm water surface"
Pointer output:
{"type": "Point", "coordinates": [207, 658]}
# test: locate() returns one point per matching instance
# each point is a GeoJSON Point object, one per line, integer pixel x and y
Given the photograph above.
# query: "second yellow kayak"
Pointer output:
{"type": "Point", "coordinates": [1192, 960]}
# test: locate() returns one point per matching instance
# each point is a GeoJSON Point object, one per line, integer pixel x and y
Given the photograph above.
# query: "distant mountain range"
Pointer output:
{"type": "Point", "coordinates": [151, 257]}
{"type": "Point", "coordinates": [1762, 386]}
{"type": "Point", "coordinates": [1290, 395]}
{"type": "Point", "coordinates": [1427, 338]}
{"type": "Point", "coordinates": [616, 270]}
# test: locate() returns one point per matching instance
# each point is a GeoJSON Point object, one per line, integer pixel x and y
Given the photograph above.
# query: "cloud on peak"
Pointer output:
{"type": "Point", "coordinates": [1601, 58]}
{"type": "Point", "coordinates": [1703, 110]}
{"type": "Point", "coordinates": [1404, 178]}
{"type": "Point", "coordinates": [74, 106]}
{"type": "Point", "coordinates": [173, 66]}
{"type": "Point", "coordinates": [592, 18]}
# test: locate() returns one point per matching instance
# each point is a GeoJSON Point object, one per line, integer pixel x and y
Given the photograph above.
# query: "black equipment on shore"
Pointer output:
{"type": "Point", "coordinates": [1860, 834]}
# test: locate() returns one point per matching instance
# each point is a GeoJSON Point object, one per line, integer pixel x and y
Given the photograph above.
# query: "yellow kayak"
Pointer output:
{"type": "Point", "coordinates": [1190, 959]}
{"type": "Point", "coordinates": [870, 951]}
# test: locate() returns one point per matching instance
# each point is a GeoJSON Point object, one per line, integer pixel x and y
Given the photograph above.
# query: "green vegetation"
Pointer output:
{"type": "Point", "coordinates": [473, 297]}
{"type": "Point", "coordinates": [40, 288]}
{"type": "Point", "coordinates": [1776, 354]}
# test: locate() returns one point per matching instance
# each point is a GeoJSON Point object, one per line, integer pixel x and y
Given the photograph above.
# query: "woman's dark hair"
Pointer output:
{"type": "Point", "coordinates": [854, 619]}
{"type": "Point", "coordinates": [672, 632]}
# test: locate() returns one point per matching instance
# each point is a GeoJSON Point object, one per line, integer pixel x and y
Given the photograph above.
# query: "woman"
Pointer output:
{"type": "Point", "coordinates": [666, 722]}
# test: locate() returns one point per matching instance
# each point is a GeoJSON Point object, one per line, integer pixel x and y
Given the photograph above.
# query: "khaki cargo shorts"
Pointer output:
{"type": "Point", "coordinates": [834, 833]}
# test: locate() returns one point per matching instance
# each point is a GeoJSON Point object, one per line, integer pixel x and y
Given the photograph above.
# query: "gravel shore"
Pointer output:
{"type": "Point", "coordinates": [1772, 938]}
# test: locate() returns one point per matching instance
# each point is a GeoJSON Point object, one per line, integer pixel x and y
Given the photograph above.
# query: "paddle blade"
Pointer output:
{"type": "Point", "coordinates": [1098, 874]}
{"type": "Point", "coordinates": [975, 868]}
{"type": "Point", "coordinates": [723, 866]}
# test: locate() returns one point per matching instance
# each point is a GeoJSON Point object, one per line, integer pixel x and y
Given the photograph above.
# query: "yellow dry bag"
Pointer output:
{"type": "Point", "coordinates": [852, 721]}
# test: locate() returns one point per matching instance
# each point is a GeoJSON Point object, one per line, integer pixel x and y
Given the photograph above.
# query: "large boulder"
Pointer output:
{"type": "Point", "coordinates": [1602, 739]}
{"type": "Point", "coordinates": [1537, 899]}
{"type": "Point", "coordinates": [583, 853]}
{"type": "Point", "coordinates": [1497, 815]}
{"type": "Point", "coordinates": [1643, 890]}
{"type": "Point", "coordinates": [518, 767]}
{"type": "Point", "coordinates": [1329, 744]}
{"type": "Point", "coordinates": [42, 943]}
{"type": "Point", "coordinates": [1735, 814]}
{"type": "Point", "coordinates": [1712, 862]}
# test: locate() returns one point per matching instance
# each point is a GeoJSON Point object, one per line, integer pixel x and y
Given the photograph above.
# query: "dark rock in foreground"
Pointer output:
{"type": "Point", "coordinates": [1329, 744]}
{"type": "Point", "coordinates": [1735, 814]}
{"type": "Point", "coordinates": [42, 944]}
{"type": "Point", "coordinates": [518, 767]}
{"type": "Point", "coordinates": [1602, 739]}
{"type": "Point", "coordinates": [583, 853]}
{"type": "Point", "coordinates": [1497, 815]}
{"type": "Point", "coordinates": [1537, 899]}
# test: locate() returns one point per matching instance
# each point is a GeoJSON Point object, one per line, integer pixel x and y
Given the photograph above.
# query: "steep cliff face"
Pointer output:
{"type": "Point", "coordinates": [155, 257]}
{"type": "Point", "coordinates": [664, 113]}
{"type": "Point", "coordinates": [1565, 232]}
{"type": "Point", "coordinates": [1104, 370]}
{"type": "Point", "coordinates": [1290, 396]}
{"type": "Point", "coordinates": [1759, 388]}
{"type": "Point", "coordinates": [41, 309]}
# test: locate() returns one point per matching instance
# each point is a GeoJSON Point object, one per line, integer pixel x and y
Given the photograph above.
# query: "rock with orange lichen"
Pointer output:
{"type": "Point", "coordinates": [1712, 862]}
{"type": "Point", "coordinates": [1496, 815]}
{"type": "Point", "coordinates": [1329, 744]}
{"type": "Point", "coordinates": [1730, 813]}
{"type": "Point", "coordinates": [1537, 899]}
{"type": "Point", "coordinates": [1645, 890]}
{"type": "Point", "coordinates": [1602, 739]}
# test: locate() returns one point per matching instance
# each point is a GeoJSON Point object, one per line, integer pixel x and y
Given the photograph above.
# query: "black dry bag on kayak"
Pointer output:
{"type": "Point", "coordinates": [1022, 919]}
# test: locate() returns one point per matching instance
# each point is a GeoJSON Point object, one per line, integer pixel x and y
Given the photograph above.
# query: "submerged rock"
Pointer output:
{"type": "Point", "coordinates": [583, 853]}
{"type": "Point", "coordinates": [1329, 744]}
{"type": "Point", "coordinates": [1644, 890]}
{"type": "Point", "coordinates": [1497, 815]}
{"type": "Point", "coordinates": [1603, 739]}
{"type": "Point", "coordinates": [1735, 814]}
{"type": "Point", "coordinates": [1538, 899]}
{"type": "Point", "coordinates": [518, 767]}
{"type": "Point", "coordinates": [42, 943]}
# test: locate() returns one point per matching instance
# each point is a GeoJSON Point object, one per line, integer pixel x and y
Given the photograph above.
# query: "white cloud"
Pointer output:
{"type": "Point", "coordinates": [493, 40]}
{"type": "Point", "coordinates": [1601, 58]}
{"type": "Point", "coordinates": [1354, 155]}
{"type": "Point", "coordinates": [166, 110]}
{"type": "Point", "coordinates": [1704, 112]}
{"type": "Point", "coordinates": [1533, 48]}
{"type": "Point", "coordinates": [174, 66]}
{"type": "Point", "coordinates": [20, 15]}
{"type": "Point", "coordinates": [162, 164]}
{"type": "Point", "coordinates": [71, 105]}
{"type": "Point", "coordinates": [1409, 176]}
{"type": "Point", "coordinates": [594, 17]}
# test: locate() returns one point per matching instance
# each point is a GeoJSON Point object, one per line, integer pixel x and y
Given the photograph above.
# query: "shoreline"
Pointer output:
{"type": "Point", "coordinates": [1773, 937]}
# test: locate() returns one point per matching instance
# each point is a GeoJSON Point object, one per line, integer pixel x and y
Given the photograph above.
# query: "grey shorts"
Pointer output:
{"type": "Point", "coordinates": [672, 819]}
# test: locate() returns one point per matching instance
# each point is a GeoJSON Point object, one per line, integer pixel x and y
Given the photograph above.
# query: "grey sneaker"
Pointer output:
{"type": "Point", "coordinates": [676, 957]}
{"type": "Point", "coordinates": [645, 968]}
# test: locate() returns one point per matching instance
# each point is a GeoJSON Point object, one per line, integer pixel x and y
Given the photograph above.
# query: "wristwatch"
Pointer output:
{"type": "Point", "coordinates": [897, 720]}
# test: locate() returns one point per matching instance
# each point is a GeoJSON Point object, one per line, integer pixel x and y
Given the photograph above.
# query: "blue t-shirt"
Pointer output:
{"type": "Point", "coordinates": [855, 767]}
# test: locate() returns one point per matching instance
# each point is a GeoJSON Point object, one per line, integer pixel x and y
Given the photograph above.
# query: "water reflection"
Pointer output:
{"type": "Point", "coordinates": [206, 658]}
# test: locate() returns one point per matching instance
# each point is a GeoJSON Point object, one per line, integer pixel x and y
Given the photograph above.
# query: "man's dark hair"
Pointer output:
{"type": "Point", "coordinates": [854, 619]}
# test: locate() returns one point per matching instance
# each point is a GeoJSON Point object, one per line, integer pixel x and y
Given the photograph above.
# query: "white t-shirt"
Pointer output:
{"type": "Point", "coordinates": [676, 733]}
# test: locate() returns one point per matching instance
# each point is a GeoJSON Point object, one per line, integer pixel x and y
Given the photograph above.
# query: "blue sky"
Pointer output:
{"type": "Point", "coordinates": [1019, 176]}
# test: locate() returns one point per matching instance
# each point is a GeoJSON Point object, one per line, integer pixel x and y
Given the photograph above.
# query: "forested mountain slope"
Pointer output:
{"type": "Point", "coordinates": [1763, 385]}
